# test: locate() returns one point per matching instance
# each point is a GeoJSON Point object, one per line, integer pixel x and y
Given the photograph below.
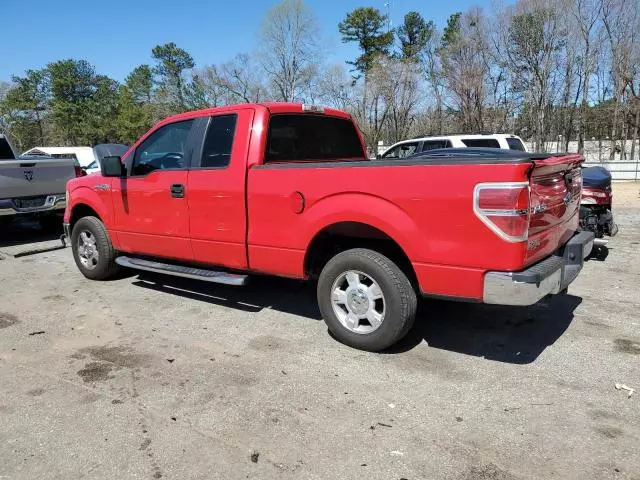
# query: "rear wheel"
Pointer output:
{"type": "Point", "coordinates": [93, 251]}
{"type": "Point", "coordinates": [366, 300]}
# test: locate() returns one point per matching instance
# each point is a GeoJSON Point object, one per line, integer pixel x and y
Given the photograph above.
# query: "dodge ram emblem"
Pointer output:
{"type": "Point", "coordinates": [28, 175]}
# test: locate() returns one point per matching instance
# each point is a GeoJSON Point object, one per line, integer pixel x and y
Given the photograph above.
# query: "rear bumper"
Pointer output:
{"type": "Point", "coordinates": [52, 203]}
{"type": "Point", "coordinates": [547, 277]}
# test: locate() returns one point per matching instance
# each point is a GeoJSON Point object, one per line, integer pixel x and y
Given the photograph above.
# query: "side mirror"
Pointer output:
{"type": "Point", "coordinates": [112, 167]}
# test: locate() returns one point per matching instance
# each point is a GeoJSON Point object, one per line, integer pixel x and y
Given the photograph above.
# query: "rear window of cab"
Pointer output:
{"type": "Point", "coordinates": [312, 138]}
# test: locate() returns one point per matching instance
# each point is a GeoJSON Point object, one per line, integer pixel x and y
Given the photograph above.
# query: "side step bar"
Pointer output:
{"type": "Point", "coordinates": [212, 276]}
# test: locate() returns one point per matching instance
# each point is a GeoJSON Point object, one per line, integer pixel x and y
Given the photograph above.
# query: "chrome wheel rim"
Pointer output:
{"type": "Point", "coordinates": [88, 250]}
{"type": "Point", "coordinates": [358, 302]}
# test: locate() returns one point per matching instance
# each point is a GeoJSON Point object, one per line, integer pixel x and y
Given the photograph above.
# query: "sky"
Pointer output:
{"type": "Point", "coordinates": [118, 35]}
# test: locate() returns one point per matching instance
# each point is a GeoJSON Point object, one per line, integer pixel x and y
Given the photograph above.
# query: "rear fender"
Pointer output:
{"type": "Point", "coordinates": [366, 209]}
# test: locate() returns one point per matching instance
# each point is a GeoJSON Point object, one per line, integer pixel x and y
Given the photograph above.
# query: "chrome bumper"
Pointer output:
{"type": "Point", "coordinates": [52, 203]}
{"type": "Point", "coordinates": [547, 277]}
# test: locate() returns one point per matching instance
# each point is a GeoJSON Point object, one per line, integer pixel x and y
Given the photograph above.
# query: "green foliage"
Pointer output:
{"type": "Point", "coordinates": [196, 94]}
{"type": "Point", "coordinates": [528, 44]}
{"type": "Point", "coordinates": [366, 25]}
{"type": "Point", "coordinates": [171, 62]}
{"type": "Point", "coordinates": [140, 83]}
{"type": "Point", "coordinates": [414, 34]}
{"type": "Point", "coordinates": [25, 105]}
{"type": "Point", "coordinates": [67, 103]}
{"type": "Point", "coordinates": [451, 32]}
{"type": "Point", "coordinates": [72, 89]}
{"type": "Point", "coordinates": [133, 118]}
{"type": "Point", "coordinates": [102, 111]}
{"type": "Point", "coordinates": [135, 108]}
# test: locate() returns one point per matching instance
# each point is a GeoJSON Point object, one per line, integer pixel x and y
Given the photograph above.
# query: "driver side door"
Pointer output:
{"type": "Point", "coordinates": [150, 204]}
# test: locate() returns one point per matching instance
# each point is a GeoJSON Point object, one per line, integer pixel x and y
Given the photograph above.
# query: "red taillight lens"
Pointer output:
{"type": "Point", "coordinates": [504, 208]}
{"type": "Point", "coordinates": [500, 198]}
{"type": "Point", "coordinates": [596, 197]}
{"type": "Point", "coordinates": [80, 172]}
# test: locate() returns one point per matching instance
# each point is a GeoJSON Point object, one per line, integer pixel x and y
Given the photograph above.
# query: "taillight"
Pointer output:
{"type": "Point", "coordinates": [80, 172]}
{"type": "Point", "coordinates": [504, 208]}
{"type": "Point", "coordinates": [596, 197]}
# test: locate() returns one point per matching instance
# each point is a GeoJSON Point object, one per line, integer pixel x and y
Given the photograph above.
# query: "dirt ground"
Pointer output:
{"type": "Point", "coordinates": [626, 194]}
{"type": "Point", "coordinates": [153, 377]}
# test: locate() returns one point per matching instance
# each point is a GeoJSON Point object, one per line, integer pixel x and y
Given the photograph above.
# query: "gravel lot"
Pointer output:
{"type": "Point", "coordinates": [152, 377]}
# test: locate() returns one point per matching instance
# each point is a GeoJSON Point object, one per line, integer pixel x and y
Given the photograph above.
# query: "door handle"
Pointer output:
{"type": "Point", "coordinates": [177, 190]}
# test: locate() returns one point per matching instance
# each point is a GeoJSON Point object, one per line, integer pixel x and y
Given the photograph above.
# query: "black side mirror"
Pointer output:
{"type": "Point", "coordinates": [112, 167]}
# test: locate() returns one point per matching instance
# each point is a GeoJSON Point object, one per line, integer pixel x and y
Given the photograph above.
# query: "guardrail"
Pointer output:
{"type": "Point", "coordinates": [619, 170]}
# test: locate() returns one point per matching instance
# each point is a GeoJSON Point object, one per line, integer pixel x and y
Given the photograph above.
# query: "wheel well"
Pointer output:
{"type": "Point", "coordinates": [80, 211]}
{"type": "Point", "coordinates": [347, 235]}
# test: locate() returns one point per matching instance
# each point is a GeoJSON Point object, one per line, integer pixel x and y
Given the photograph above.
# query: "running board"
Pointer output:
{"type": "Point", "coordinates": [212, 276]}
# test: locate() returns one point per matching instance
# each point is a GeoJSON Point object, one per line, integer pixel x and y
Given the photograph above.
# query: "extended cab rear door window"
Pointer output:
{"type": "Point", "coordinates": [312, 138]}
{"type": "Point", "coordinates": [164, 149]}
{"type": "Point", "coordinates": [218, 142]}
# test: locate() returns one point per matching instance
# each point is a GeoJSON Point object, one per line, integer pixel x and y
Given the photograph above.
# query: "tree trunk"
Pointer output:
{"type": "Point", "coordinates": [625, 130]}
{"type": "Point", "coordinates": [636, 127]}
{"type": "Point", "coordinates": [614, 131]}
{"type": "Point", "coordinates": [40, 129]}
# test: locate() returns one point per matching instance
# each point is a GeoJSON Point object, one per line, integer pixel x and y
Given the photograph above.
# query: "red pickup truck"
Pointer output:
{"type": "Point", "coordinates": [287, 190]}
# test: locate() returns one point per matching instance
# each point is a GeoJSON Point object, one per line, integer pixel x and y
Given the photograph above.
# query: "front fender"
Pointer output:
{"type": "Point", "coordinates": [84, 195]}
{"type": "Point", "coordinates": [367, 209]}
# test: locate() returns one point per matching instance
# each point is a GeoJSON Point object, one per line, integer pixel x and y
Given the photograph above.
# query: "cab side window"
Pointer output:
{"type": "Point", "coordinates": [515, 144]}
{"type": "Point", "coordinates": [218, 143]}
{"type": "Point", "coordinates": [164, 149]}
{"type": "Point", "coordinates": [435, 144]}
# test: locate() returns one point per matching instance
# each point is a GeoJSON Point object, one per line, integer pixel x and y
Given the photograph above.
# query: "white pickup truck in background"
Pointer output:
{"type": "Point", "coordinates": [33, 186]}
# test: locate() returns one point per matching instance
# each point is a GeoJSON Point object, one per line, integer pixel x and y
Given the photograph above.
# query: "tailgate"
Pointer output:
{"type": "Point", "coordinates": [556, 185]}
{"type": "Point", "coordinates": [33, 177]}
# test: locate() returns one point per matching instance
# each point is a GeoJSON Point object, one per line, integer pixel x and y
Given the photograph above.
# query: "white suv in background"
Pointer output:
{"type": "Point", "coordinates": [493, 140]}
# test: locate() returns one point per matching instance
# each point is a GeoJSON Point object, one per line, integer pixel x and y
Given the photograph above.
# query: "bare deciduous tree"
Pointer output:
{"type": "Point", "coordinates": [290, 46]}
{"type": "Point", "coordinates": [464, 70]}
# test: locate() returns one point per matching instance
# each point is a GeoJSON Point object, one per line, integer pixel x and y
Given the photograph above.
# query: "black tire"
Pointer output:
{"type": "Point", "coordinates": [5, 221]}
{"type": "Point", "coordinates": [400, 302]}
{"type": "Point", "coordinates": [106, 267]}
{"type": "Point", "coordinates": [51, 223]}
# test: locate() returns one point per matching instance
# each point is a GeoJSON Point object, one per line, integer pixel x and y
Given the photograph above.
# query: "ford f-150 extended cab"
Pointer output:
{"type": "Point", "coordinates": [287, 190]}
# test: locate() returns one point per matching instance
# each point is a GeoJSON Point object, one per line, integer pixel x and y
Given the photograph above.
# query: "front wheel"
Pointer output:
{"type": "Point", "coordinates": [366, 301]}
{"type": "Point", "coordinates": [92, 249]}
